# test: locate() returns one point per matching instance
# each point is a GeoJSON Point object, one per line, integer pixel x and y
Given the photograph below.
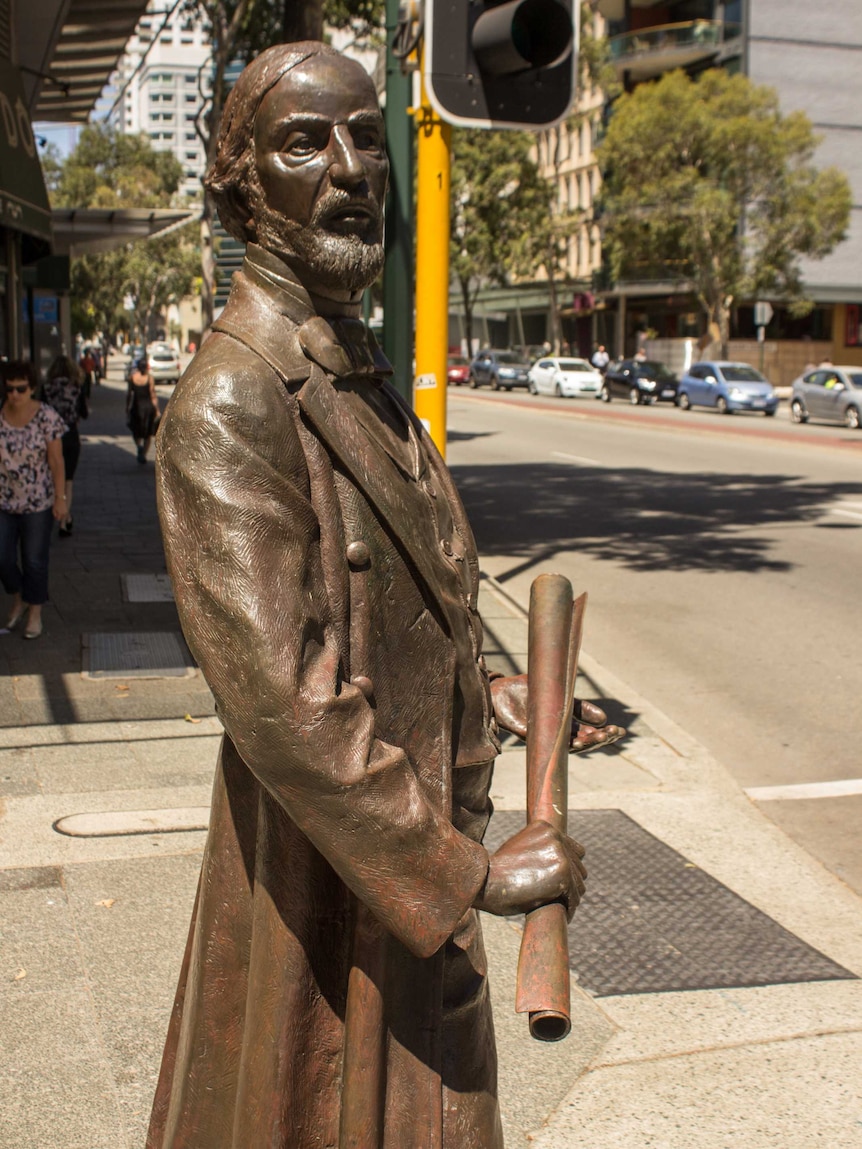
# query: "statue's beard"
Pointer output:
{"type": "Point", "coordinates": [334, 260]}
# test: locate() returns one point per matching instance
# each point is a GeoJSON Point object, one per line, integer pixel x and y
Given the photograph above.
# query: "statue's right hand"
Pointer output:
{"type": "Point", "coordinates": [535, 867]}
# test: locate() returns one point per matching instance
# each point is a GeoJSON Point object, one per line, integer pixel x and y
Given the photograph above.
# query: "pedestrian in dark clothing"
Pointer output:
{"type": "Point", "coordinates": [64, 391]}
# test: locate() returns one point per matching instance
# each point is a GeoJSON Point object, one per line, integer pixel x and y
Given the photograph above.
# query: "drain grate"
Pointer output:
{"type": "Point", "coordinates": [652, 922]}
{"type": "Point", "coordinates": [146, 588]}
{"type": "Point", "coordinates": [150, 654]}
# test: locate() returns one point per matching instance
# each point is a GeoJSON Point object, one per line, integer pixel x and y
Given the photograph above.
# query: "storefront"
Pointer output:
{"type": "Point", "coordinates": [27, 317]}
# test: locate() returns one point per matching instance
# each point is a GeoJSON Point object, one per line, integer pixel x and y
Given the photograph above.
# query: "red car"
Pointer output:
{"type": "Point", "coordinates": [457, 370]}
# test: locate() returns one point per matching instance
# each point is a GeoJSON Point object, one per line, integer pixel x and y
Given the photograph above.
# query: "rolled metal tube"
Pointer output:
{"type": "Point", "coordinates": [555, 628]}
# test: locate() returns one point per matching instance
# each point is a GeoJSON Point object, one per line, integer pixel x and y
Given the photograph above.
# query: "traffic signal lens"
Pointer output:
{"type": "Point", "coordinates": [522, 34]}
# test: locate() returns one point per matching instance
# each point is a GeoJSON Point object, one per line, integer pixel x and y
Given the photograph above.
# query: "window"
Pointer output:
{"type": "Point", "coordinates": [191, 137]}
{"type": "Point", "coordinates": [192, 156]}
{"type": "Point", "coordinates": [191, 98]}
{"type": "Point", "coordinates": [190, 78]}
{"type": "Point", "coordinates": [190, 118]}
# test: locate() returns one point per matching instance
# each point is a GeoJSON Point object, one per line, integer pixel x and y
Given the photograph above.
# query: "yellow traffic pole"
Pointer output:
{"type": "Point", "coordinates": [432, 271]}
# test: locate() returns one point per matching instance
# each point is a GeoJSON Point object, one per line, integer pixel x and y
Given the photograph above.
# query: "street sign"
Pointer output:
{"type": "Point", "coordinates": [762, 313]}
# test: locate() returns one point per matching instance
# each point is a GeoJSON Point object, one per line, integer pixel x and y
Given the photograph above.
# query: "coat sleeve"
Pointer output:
{"type": "Point", "coordinates": [242, 542]}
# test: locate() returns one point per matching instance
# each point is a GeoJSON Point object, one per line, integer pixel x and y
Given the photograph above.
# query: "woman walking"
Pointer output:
{"type": "Point", "coordinates": [32, 493]}
{"type": "Point", "coordinates": [142, 408]}
{"type": "Point", "coordinates": [64, 391]}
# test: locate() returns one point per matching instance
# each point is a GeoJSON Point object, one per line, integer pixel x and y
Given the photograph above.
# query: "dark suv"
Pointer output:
{"type": "Point", "coordinates": [639, 381]}
{"type": "Point", "coordinates": [501, 369]}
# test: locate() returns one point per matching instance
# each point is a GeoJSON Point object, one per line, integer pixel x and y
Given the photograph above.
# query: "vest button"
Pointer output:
{"type": "Point", "coordinates": [358, 553]}
{"type": "Point", "coordinates": [446, 547]}
{"type": "Point", "coordinates": [364, 684]}
{"type": "Point", "coordinates": [429, 489]}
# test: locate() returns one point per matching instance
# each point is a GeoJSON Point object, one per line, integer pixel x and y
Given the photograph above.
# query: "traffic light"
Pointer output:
{"type": "Point", "coordinates": [501, 65]}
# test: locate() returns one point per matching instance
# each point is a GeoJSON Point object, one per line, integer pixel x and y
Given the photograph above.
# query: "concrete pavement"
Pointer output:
{"type": "Point", "coordinates": [717, 1001]}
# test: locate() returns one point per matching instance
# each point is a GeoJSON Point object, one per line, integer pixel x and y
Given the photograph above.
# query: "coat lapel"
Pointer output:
{"type": "Point", "coordinates": [402, 505]}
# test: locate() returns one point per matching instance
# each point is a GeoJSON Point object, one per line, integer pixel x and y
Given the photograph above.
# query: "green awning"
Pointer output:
{"type": "Point", "coordinates": [23, 198]}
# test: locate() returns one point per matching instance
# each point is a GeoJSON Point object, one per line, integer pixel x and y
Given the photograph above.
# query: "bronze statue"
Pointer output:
{"type": "Point", "coordinates": [333, 993]}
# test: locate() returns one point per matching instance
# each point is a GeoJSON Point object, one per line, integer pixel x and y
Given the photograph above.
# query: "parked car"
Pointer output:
{"type": "Point", "coordinates": [501, 369]}
{"type": "Point", "coordinates": [726, 386]}
{"type": "Point", "coordinates": [457, 370]}
{"type": "Point", "coordinates": [164, 363]}
{"type": "Point", "coordinates": [567, 377]}
{"type": "Point", "coordinates": [830, 393]}
{"type": "Point", "coordinates": [639, 381]}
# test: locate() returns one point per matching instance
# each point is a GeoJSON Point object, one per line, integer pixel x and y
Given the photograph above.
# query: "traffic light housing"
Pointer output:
{"type": "Point", "coordinates": [501, 65]}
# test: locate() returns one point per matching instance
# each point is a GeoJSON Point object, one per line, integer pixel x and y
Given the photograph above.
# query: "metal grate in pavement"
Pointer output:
{"type": "Point", "coordinates": [150, 654]}
{"type": "Point", "coordinates": [652, 921]}
{"type": "Point", "coordinates": [146, 588]}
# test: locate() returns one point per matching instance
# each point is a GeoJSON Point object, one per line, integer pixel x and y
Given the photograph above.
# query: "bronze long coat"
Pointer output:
{"type": "Point", "coordinates": [326, 580]}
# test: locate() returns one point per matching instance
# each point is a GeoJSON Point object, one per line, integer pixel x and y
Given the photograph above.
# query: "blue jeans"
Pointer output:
{"type": "Point", "coordinates": [33, 533]}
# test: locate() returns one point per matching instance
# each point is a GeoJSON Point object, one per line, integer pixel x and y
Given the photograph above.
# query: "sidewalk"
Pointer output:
{"type": "Point", "coordinates": [717, 1002]}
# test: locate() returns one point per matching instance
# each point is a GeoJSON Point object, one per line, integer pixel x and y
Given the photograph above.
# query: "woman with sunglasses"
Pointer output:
{"type": "Point", "coordinates": [32, 493]}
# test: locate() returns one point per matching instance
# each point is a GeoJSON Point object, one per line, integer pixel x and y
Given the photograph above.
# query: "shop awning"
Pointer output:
{"type": "Point", "coordinates": [81, 231]}
{"type": "Point", "coordinates": [23, 198]}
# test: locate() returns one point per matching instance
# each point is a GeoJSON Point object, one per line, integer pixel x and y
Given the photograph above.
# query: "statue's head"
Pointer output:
{"type": "Point", "coordinates": [301, 166]}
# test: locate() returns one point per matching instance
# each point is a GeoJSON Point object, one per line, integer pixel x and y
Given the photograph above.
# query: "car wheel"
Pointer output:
{"type": "Point", "coordinates": [634, 397]}
{"type": "Point", "coordinates": [767, 413]}
{"type": "Point", "coordinates": [851, 418]}
{"type": "Point", "coordinates": [558, 391]}
{"type": "Point", "coordinates": [683, 401]}
{"type": "Point", "coordinates": [474, 382]}
{"type": "Point", "coordinates": [605, 395]}
{"type": "Point", "coordinates": [798, 413]}
{"type": "Point", "coordinates": [721, 406]}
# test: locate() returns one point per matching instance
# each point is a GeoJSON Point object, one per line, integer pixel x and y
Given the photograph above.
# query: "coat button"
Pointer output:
{"type": "Point", "coordinates": [364, 684]}
{"type": "Point", "coordinates": [358, 553]}
{"type": "Point", "coordinates": [446, 547]}
{"type": "Point", "coordinates": [429, 489]}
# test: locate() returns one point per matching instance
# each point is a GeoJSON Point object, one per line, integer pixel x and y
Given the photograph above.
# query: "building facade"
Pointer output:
{"type": "Point", "coordinates": [163, 82]}
{"type": "Point", "coordinates": [812, 56]}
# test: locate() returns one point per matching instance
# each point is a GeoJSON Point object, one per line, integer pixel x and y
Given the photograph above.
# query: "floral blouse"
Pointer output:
{"type": "Point", "coordinates": [64, 395]}
{"type": "Point", "coordinates": [26, 484]}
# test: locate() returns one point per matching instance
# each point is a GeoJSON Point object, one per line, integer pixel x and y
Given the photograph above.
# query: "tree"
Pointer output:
{"type": "Point", "coordinates": [709, 177]}
{"type": "Point", "coordinates": [108, 169]}
{"type": "Point", "coordinates": [501, 212]}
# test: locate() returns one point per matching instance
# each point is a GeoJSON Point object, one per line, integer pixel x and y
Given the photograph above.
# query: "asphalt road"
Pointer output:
{"type": "Point", "coordinates": [722, 556]}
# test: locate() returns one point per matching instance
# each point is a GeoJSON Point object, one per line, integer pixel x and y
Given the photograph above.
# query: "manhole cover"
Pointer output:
{"type": "Point", "coordinates": [147, 588]}
{"type": "Point", "coordinates": [151, 654]}
{"type": "Point", "coordinates": [652, 921]}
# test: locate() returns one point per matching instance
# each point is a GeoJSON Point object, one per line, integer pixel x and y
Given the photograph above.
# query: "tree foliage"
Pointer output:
{"type": "Point", "coordinates": [502, 225]}
{"type": "Point", "coordinates": [707, 177]}
{"type": "Point", "coordinates": [110, 170]}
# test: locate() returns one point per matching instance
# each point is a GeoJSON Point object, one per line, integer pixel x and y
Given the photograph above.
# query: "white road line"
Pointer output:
{"type": "Point", "coordinates": [847, 514]}
{"type": "Point", "coordinates": [855, 506]}
{"type": "Point", "coordinates": [842, 788]}
{"type": "Point", "coordinates": [577, 458]}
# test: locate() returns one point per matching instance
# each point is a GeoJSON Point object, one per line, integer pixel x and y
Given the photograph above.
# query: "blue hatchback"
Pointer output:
{"type": "Point", "coordinates": [727, 387]}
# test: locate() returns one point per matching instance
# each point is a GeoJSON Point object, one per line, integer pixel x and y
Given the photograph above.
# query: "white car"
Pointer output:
{"type": "Point", "coordinates": [164, 363]}
{"type": "Point", "coordinates": [567, 377]}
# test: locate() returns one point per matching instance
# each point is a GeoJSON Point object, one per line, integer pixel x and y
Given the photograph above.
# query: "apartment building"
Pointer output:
{"type": "Point", "coordinates": [163, 78]}
{"type": "Point", "coordinates": [812, 56]}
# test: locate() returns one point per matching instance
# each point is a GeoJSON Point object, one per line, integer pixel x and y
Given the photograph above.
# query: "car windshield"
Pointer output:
{"type": "Point", "coordinates": [742, 374]}
{"type": "Point", "coordinates": [458, 361]}
{"type": "Point", "coordinates": [509, 357]}
{"type": "Point", "coordinates": [652, 369]}
{"type": "Point", "coordinates": [855, 378]}
{"type": "Point", "coordinates": [574, 365]}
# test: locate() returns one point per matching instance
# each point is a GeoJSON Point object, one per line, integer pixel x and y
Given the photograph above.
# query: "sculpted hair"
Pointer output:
{"type": "Point", "coordinates": [228, 178]}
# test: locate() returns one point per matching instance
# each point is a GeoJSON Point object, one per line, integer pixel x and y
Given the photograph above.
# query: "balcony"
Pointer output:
{"type": "Point", "coordinates": [650, 52]}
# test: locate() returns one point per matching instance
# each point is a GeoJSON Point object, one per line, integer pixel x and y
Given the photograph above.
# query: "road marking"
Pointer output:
{"type": "Point", "coordinates": [577, 458]}
{"type": "Point", "coordinates": [842, 788]}
{"type": "Point", "coordinates": [847, 514]}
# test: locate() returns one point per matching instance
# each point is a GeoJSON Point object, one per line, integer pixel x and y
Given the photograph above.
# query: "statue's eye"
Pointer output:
{"type": "Point", "coordinates": [300, 144]}
{"type": "Point", "coordinates": [368, 140]}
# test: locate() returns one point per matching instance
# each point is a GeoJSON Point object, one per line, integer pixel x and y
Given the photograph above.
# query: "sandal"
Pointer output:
{"type": "Point", "coordinates": [34, 631]}
{"type": "Point", "coordinates": [16, 616]}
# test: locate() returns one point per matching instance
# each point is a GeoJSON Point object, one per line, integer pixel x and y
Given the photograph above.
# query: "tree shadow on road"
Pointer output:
{"type": "Point", "coordinates": [647, 520]}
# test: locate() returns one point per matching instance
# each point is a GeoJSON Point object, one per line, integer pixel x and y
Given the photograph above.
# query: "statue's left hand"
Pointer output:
{"type": "Point", "coordinates": [590, 726]}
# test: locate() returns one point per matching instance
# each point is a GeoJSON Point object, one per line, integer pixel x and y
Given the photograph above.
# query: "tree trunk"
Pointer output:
{"type": "Point", "coordinates": [468, 315]}
{"type": "Point", "coordinates": [207, 264]}
{"type": "Point", "coordinates": [302, 20]}
{"type": "Point", "coordinates": [554, 310]}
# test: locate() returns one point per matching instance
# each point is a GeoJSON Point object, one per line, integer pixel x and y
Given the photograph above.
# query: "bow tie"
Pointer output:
{"type": "Point", "coordinates": [343, 347]}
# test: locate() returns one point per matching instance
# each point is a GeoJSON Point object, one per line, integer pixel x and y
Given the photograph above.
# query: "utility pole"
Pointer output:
{"type": "Point", "coordinates": [398, 270]}
{"type": "Point", "coordinates": [432, 270]}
